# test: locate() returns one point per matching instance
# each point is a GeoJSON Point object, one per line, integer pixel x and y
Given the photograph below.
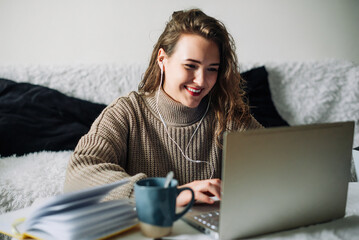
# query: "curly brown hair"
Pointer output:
{"type": "Point", "coordinates": [228, 96]}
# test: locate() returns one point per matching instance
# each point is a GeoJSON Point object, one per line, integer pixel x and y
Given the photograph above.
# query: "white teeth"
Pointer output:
{"type": "Point", "coordinates": [193, 90]}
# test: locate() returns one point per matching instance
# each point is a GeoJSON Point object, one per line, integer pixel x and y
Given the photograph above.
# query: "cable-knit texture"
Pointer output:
{"type": "Point", "coordinates": [128, 140]}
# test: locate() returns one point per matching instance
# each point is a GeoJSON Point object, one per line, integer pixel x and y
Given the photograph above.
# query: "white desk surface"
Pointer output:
{"type": "Point", "coordinates": [346, 228]}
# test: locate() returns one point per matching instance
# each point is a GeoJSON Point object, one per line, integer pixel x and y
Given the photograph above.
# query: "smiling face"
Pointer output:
{"type": "Point", "coordinates": [192, 70]}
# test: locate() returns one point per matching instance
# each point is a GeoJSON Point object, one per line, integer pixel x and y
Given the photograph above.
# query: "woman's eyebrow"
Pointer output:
{"type": "Point", "coordinates": [196, 61]}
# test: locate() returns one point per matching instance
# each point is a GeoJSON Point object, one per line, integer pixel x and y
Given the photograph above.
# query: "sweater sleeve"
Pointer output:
{"type": "Point", "coordinates": [100, 156]}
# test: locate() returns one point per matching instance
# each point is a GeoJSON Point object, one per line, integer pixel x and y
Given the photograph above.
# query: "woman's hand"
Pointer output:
{"type": "Point", "coordinates": [202, 189]}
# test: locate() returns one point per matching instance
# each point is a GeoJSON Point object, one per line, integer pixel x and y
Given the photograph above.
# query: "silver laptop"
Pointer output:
{"type": "Point", "coordinates": [279, 178]}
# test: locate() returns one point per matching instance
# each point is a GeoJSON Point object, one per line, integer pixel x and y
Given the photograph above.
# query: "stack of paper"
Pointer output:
{"type": "Point", "coordinates": [77, 215]}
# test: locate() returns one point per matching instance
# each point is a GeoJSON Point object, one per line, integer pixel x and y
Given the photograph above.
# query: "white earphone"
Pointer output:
{"type": "Point", "coordinates": [165, 126]}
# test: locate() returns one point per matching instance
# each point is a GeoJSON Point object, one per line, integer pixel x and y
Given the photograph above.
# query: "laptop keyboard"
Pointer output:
{"type": "Point", "coordinates": [210, 219]}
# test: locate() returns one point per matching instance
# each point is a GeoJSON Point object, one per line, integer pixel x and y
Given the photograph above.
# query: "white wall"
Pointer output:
{"type": "Point", "coordinates": [102, 31]}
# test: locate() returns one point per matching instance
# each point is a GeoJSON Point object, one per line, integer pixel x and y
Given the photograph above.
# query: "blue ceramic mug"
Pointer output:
{"type": "Point", "coordinates": [156, 205]}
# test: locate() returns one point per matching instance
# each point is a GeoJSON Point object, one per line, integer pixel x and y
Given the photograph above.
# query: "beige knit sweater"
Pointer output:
{"type": "Point", "coordinates": [128, 140]}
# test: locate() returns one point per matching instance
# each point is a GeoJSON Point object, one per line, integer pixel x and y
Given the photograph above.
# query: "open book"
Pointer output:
{"type": "Point", "coordinates": [76, 215]}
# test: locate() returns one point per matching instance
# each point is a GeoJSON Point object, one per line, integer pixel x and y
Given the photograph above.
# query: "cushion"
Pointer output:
{"type": "Point", "coordinates": [259, 98]}
{"type": "Point", "coordinates": [36, 118]}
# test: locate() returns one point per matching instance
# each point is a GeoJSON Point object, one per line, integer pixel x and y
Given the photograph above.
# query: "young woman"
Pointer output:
{"type": "Point", "coordinates": [190, 94]}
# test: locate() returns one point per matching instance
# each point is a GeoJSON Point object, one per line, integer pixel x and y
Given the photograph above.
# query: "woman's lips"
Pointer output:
{"type": "Point", "coordinates": [193, 91]}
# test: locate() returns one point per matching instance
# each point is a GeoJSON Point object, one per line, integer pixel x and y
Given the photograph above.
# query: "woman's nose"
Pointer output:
{"type": "Point", "coordinates": [199, 78]}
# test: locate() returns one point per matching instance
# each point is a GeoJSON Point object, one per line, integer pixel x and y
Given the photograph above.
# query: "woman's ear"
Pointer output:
{"type": "Point", "coordinates": [161, 57]}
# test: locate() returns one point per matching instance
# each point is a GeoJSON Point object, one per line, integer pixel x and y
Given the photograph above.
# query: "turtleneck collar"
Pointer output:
{"type": "Point", "coordinates": [175, 113]}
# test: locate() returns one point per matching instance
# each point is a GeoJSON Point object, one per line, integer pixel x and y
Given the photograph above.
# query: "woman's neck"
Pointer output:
{"type": "Point", "coordinates": [173, 112]}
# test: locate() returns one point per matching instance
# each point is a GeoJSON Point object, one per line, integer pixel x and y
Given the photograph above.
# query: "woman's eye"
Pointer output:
{"type": "Point", "coordinates": [190, 66]}
{"type": "Point", "coordinates": [213, 69]}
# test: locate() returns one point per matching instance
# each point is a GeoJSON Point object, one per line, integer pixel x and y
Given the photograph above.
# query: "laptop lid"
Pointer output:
{"type": "Point", "coordinates": [281, 178]}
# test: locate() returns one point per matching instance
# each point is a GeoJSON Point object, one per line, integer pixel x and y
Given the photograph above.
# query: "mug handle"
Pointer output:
{"type": "Point", "coordinates": [189, 205]}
